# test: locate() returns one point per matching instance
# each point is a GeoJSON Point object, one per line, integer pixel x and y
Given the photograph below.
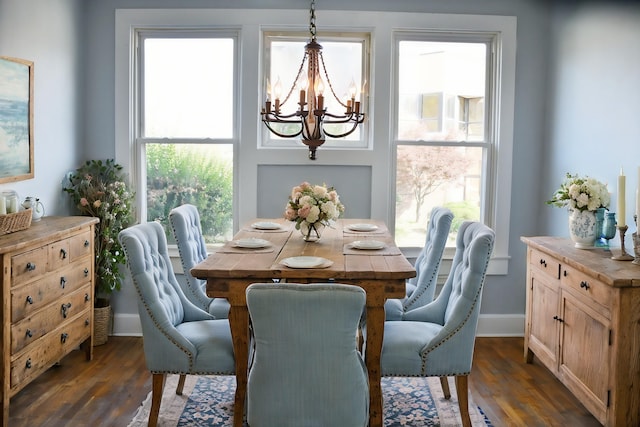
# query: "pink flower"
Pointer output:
{"type": "Point", "coordinates": [84, 201]}
{"type": "Point", "coordinates": [304, 211]}
{"type": "Point", "coordinates": [290, 213]}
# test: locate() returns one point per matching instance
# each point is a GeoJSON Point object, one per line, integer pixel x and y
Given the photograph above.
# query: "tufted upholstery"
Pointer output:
{"type": "Point", "coordinates": [306, 370]}
{"type": "Point", "coordinates": [178, 337]}
{"type": "Point", "coordinates": [422, 288]}
{"type": "Point", "coordinates": [438, 338]}
{"type": "Point", "coordinates": [186, 229]}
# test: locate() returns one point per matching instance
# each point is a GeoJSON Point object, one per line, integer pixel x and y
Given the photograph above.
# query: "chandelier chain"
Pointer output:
{"type": "Point", "coordinates": [312, 20]}
{"type": "Point", "coordinates": [326, 75]}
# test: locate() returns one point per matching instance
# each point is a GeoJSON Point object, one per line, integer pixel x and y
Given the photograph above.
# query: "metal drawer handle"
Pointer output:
{"type": "Point", "coordinates": [29, 334]}
{"type": "Point", "coordinates": [63, 253]}
{"type": "Point", "coordinates": [63, 337]}
{"type": "Point", "coordinates": [31, 266]}
{"type": "Point", "coordinates": [86, 243]}
{"type": "Point", "coordinates": [28, 364]}
{"type": "Point", "coordinates": [86, 322]}
{"type": "Point", "coordinates": [63, 282]}
{"type": "Point", "coordinates": [86, 297]}
{"type": "Point", "coordinates": [584, 285]}
{"type": "Point", "coordinates": [86, 272]}
{"type": "Point", "coordinates": [65, 309]}
{"type": "Point", "coordinates": [558, 319]}
{"type": "Point", "coordinates": [543, 262]}
{"type": "Point", "coordinates": [29, 299]}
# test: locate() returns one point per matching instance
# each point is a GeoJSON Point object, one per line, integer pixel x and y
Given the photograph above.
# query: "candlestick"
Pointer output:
{"type": "Point", "coordinates": [624, 256]}
{"type": "Point", "coordinates": [621, 201]}
{"type": "Point", "coordinates": [636, 243]}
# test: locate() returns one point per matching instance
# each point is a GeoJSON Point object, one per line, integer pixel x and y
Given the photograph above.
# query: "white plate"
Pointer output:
{"type": "Point", "coordinates": [306, 262]}
{"type": "Point", "coordinates": [251, 243]}
{"type": "Point", "coordinates": [266, 225]}
{"type": "Point", "coordinates": [368, 244]}
{"type": "Point", "coordinates": [362, 227]}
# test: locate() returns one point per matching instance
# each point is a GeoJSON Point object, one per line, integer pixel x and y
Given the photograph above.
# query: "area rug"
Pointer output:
{"type": "Point", "coordinates": [208, 401]}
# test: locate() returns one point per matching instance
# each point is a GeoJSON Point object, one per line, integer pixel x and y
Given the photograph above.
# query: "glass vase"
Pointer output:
{"type": "Point", "coordinates": [311, 232]}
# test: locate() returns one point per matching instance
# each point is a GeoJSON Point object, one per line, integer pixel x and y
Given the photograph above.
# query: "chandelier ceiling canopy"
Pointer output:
{"type": "Point", "coordinates": [311, 115]}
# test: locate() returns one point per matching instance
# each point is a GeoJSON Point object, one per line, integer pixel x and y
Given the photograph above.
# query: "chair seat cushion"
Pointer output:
{"type": "Point", "coordinates": [212, 340]}
{"type": "Point", "coordinates": [393, 309]}
{"type": "Point", "coordinates": [403, 343]}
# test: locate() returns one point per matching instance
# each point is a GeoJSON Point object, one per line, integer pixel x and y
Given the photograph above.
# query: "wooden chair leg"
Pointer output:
{"type": "Point", "coordinates": [462, 388]}
{"type": "Point", "coordinates": [444, 383]}
{"type": "Point", "coordinates": [156, 397]}
{"type": "Point", "coordinates": [180, 384]}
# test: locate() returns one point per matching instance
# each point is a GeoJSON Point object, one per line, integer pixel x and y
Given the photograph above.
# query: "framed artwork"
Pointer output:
{"type": "Point", "coordinates": [16, 119]}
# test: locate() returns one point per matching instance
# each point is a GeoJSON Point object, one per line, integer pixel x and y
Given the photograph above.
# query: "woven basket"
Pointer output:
{"type": "Point", "coordinates": [101, 325]}
{"type": "Point", "coordinates": [15, 221]}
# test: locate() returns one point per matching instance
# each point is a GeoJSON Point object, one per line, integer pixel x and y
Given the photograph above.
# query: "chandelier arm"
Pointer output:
{"type": "Point", "coordinates": [273, 117]}
{"type": "Point", "coordinates": [282, 135]}
{"type": "Point", "coordinates": [341, 135]}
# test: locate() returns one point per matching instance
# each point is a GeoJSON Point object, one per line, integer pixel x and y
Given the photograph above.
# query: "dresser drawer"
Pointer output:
{"type": "Point", "coordinates": [28, 265]}
{"type": "Point", "coordinates": [58, 255]}
{"type": "Point", "coordinates": [584, 285]}
{"type": "Point", "coordinates": [545, 264]}
{"type": "Point", "coordinates": [29, 329]}
{"type": "Point", "coordinates": [50, 348]}
{"type": "Point", "coordinates": [30, 298]}
{"type": "Point", "coordinates": [80, 245]}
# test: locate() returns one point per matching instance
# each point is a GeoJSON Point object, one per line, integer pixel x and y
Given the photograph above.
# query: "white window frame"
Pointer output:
{"type": "Point", "coordinates": [381, 25]}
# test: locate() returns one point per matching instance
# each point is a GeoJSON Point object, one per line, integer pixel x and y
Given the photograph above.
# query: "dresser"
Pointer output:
{"type": "Point", "coordinates": [47, 298]}
{"type": "Point", "coordinates": [583, 324]}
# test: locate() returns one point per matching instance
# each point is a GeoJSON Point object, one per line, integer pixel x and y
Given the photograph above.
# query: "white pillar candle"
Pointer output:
{"type": "Point", "coordinates": [621, 191]}
{"type": "Point", "coordinates": [3, 206]}
{"type": "Point", "coordinates": [12, 205]}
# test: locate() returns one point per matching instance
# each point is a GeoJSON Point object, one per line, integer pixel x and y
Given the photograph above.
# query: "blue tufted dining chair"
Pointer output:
{"type": "Point", "coordinates": [306, 370]}
{"type": "Point", "coordinates": [178, 337]}
{"type": "Point", "coordinates": [421, 288]}
{"type": "Point", "coordinates": [187, 230]}
{"type": "Point", "coordinates": [438, 338]}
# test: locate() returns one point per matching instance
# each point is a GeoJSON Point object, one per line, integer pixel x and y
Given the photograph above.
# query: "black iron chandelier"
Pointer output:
{"type": "Point", "coordinates": [311, 114]}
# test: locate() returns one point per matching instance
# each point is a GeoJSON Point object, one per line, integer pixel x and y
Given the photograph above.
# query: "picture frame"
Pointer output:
{"type": "Point", "coordinates": [16, 119]}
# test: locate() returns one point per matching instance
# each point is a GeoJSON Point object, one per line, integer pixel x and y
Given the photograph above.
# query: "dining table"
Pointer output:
{"type": "Point", "coordinates": [358, 252]}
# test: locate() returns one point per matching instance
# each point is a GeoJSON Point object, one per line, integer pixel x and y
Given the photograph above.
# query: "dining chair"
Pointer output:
{"type": "Point", "coordinates": [306, 369]}
{"type": "Point", "coordinates": [187, 230]}
{"type": "Point", "coordinates": [421, 288]}
{"type": "Point", "coordinates": [178, 337]}
{"type": "Point", "coordinates": [438, 338]}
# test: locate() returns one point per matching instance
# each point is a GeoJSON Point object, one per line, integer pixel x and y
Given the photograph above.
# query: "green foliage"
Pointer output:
{"type": "Point", "coordinates": [99, 189]}
{"type": "Point", "coordinates": [177, 175]}
{"type": "Point", "coordinates": [462, 211]}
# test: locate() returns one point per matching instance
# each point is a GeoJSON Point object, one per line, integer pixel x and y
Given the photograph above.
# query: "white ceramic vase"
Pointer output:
{"type": "Point", "coordinates": [582, 228]}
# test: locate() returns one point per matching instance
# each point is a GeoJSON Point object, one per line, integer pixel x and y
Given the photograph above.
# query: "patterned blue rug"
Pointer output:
{"type": "Point", "coordinates": [208, 401]}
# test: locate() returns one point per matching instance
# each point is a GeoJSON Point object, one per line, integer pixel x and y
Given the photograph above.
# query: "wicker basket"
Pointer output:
{"type": "Point", "coordinates": [101, 324]}
{"type": "Point", "coordinates": [15, 221]}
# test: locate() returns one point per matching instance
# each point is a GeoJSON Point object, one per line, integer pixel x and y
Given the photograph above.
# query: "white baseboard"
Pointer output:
{"type": "Point", "coordinates": [489, 325]}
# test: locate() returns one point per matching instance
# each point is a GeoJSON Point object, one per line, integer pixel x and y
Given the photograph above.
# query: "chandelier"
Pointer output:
{"type": "Point", "coordinates": [311, 115]}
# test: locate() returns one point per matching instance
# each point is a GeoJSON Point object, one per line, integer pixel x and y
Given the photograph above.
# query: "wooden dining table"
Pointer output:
{"type": "Point", "coordinates": [381, 272]}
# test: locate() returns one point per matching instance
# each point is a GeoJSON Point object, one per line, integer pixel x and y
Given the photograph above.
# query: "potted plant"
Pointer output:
{"type": "Point", "coordinates": [100, 189]}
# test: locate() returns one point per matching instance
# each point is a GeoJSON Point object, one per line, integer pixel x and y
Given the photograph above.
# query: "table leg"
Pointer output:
{"type": "Point", "coordinates": [375, 332]}
{"type": "Point", "coordinates": [239, 323]}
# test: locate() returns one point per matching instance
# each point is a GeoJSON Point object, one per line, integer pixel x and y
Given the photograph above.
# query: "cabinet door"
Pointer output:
{"type": "Point", "coordinates": [585, 353]}
{"type": "Point", "coordinates": [543, 337]}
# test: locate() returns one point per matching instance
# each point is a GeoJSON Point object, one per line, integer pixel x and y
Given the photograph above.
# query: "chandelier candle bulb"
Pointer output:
{"type": "Point", "coordinates": [621, 201]}
{"type": "Point", "coordinates": [302, 98]}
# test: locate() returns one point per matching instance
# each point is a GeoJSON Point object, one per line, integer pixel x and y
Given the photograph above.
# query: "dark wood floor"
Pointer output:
{"type": "Point", "coordinates": [108, 390]}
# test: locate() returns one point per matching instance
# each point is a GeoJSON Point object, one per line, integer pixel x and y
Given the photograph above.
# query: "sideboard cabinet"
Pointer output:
{"type": "Point", "coordinates": [583, 324]}
{"type": "Point", "coordinates": [47, 298]}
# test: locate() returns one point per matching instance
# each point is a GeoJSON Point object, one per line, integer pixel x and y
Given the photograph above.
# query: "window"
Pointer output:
{"type": "Point", "coordinates": [444, 146]}
{"type": "Point", "coordinates": [346, 64]}
{"type": "Point", "coordinates": [186, 85]}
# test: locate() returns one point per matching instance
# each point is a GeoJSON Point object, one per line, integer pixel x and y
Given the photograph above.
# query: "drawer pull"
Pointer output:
{"type": "Point", "coordinates": [63, 253]}
{"type": "Point", "coordinates": [29, 334]}
{"type": "Point", "coordinates": [584, 285]}
{"type": "Point", "coordinates": [86, 297]}
{"type": "Point", "coordinates": [28, 364]}
{"type": "Point", "coordinates": [543, 262]}
{"type": "Point", "coordinates": [86, 322]}
{"type": "Point", "coordinates": [558, 319]}
{"type": "Point", "coordinates": [565, 273]}
{"type": "Point", "coordinates": [86, 243]}
{"type": "Point", "coordinates": [65, 309]}
{"type": "Point", "coordinates": [86, 272]}
{"type": "Point", "coordinates": [63, 282]}
{"type": "Point", "coordinates": [30, 266]}
{"type": "Point", "coordinates": [63, 337]}
{"type": "Point", "coordinates": [29, 299]}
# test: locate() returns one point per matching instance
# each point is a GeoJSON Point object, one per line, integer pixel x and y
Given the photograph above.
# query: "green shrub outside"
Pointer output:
{"type": "Point", "coordinates": [462, 211]}
{"type": "Point", "coordinates": [179, 174]}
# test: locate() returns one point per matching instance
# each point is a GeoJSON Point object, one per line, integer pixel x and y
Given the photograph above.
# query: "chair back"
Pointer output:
{"type": "Point", "coordinates": [428, 261]}
{"type": "Point", "coordinates": [306, 368]}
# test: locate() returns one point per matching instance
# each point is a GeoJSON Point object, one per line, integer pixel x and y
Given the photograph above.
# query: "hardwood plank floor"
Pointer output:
{"type": "Point", "coordinates": [108, 390]}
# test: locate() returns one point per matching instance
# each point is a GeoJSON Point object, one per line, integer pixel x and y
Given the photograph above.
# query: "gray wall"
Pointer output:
{"type": "Point", "coordinates": [577, 86]}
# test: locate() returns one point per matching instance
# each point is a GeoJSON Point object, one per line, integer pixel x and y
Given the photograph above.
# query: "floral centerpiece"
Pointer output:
{"type": "Point", "coordinates": [312, 207]}
{"type": "Point", "coordinates": [582, 194]}
{"type": "Point", "coordinates": [99, 189]}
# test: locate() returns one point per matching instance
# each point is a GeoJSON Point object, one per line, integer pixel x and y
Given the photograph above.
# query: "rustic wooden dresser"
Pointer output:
{"type": "Point", "coordinates": [47, 298]}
